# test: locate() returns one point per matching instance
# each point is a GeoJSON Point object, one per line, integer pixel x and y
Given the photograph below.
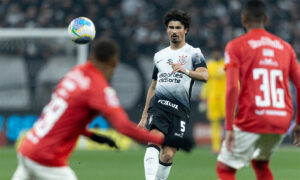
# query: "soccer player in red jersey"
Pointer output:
{"type": "Point", "coordinates": [82, 94]}
{"type": "Point", "coordinates": [258, 67]}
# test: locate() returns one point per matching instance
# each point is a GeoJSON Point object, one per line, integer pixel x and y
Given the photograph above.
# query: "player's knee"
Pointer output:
{"type": "Point", "coordinates": [167, 156]}
{"type": "Point", "coordinates": [260, 164]}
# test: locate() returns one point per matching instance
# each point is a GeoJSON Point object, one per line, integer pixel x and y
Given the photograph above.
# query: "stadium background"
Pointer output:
{"type": "Point", "coordinates": [30, 68]}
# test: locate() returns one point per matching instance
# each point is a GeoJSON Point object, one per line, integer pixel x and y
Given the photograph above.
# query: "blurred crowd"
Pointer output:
{"type": "Point", "coordinates": [137, 24]}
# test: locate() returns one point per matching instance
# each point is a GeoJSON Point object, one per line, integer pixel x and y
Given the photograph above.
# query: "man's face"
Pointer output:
{"type": "Point", "coordinates": [176, 31]}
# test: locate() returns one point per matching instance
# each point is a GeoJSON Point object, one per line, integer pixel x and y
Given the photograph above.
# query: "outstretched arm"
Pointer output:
{"type": "Point", "coordinates": [100, 138]}
{"type": "Point", "coordinates": [150, 94]}
{"type": "Point", "coordinates": [120, 121]}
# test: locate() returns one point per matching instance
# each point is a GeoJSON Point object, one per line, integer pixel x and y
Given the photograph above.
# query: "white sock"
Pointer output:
{"type": "Point", "coordinates": [163, 171]}
{"type": "Point", "coordinates": [151, 162]}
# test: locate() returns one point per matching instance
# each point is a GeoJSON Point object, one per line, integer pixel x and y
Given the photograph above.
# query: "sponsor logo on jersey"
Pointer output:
{"type": "Point", "coordinates": [182, 60]}
{"type": "Point", "coordinates": [268, 62]}
{"type": "Point", "coordinates": [268, 52]}
{"type": "Point", "coordinates": [170, 77]}
{"type": "Point", "coordinates": [265, 41]}
{"type": "Point", "coordinates": [178, 135]}
{"type": "Point", "coordinates": [167, 103]}
{"type": "Point", "coordinates": [270, 112]}
{"type": "Point", "coordinates": [170, 61]}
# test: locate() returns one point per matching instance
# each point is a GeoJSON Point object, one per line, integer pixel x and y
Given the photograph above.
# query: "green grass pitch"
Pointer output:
{"type": "Point", "coordinates": [128, 165]}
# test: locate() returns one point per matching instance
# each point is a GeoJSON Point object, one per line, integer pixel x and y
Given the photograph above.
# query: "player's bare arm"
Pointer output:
{"type": "Point", "coordinates": [231, 102]}
{"type": "Point", "coordinates": [295, 76]}
{"type": "Point", "coordinates": [200, 74]}
{"type": "Point", "coordinates": [150, 94]}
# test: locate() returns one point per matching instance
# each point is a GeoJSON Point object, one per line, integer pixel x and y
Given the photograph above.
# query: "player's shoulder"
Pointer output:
{"type": "Point", "coordinates": [284, 43]}
{"type": "Point", "coordinates": [192, 49]}
{"type": "Point", "coordinates": [162, 51]}
{"type": "Point", "coordinates": [91, 74]}
{"type": "Point", "coordinates": [238, 41]}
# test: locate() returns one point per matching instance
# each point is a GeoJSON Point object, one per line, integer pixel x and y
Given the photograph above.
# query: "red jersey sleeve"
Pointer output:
{"type": "Point", "coordinates": [231, 56]}
{"type": "Point", "coordinates": [295, 77]}
{"type": "Point", "coordinates": [87, 133]}
{"type": "Point", "coordinates": [232, 77]}
{"type": "Point", "coordinates": [106, 102]}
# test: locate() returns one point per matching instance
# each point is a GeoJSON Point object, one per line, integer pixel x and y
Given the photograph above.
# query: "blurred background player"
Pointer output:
{"type": "Point", "coordinates": [167, 107]}
{"type": "Point", "coordinates": [83, 93]}
{"type": "Point", "coordinates": [263, 64]}
{"type": "Point", "coordinates": [212, 97]}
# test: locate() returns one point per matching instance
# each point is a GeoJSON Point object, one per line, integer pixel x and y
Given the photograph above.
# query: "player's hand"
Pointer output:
{"type": "Point", "coordinates": [177, 68]}
{"type": "Point", "coordinates": [104, 140]}
{"type": "Point", "coordinates": [296, 134]}
{"type": "Point", "coordinates": [185, 143]}
{"type": "Point", "coordinates": [229, 140]}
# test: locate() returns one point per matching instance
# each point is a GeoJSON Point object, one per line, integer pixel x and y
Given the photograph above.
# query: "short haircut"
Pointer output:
{"type": "Point", "coordinates": [103, 49]}
{"type": "Point", "coordinates": [177, 15]}
{"type": "Point", "coordinates": [255, 10]}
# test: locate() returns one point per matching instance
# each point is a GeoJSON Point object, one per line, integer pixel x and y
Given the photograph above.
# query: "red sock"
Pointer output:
{"type": "Point", "coordinates": [262, 170]}
{"type": "Point", "coordinates": [225, 172]}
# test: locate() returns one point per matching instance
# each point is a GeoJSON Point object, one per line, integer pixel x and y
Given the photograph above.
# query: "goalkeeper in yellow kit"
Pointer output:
{"type": "Point", "coordinates": [213, 93]}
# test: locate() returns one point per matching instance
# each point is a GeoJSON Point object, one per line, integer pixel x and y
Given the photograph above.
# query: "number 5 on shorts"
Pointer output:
{"type": "Point", "coordinates": [182, 126]}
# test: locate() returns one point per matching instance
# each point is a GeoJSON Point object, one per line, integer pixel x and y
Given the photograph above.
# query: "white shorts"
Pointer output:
{"type": "Point", "coordinates": [249, 146]}
{"type": "Point", "coordinates": [30, 170]}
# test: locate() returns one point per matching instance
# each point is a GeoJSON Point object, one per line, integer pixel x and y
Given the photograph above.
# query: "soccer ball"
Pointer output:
{"type": "Point", "coordinates": [82, 30]}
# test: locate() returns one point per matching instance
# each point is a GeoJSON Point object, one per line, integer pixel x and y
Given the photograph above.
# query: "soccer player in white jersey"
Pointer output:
{"type": "Point", "coordinates": [167, 105]}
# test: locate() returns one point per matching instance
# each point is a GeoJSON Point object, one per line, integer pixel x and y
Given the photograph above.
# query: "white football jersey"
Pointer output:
{"type": "Point", "coordinates": [176, 87]}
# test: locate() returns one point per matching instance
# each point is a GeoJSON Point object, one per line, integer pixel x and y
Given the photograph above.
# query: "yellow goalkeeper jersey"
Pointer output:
{"type": "Point", "coordinates": [214, 89]}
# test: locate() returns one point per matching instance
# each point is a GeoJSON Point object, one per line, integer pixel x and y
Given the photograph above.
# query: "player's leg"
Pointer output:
{"type": "Point", "coordinates": [262, 170]}
{"type": "Point", "coordinates": [151, 160]}
{"type": "Point", "coordinates": [225, 172]}
{"type": "Point", "coordinates": [266, 146]}
{"type": "Point", "coordinates": [21, 173]}
{"type": "Point", "coordinates": [177, 128]}
{"type": "Point", "coordinates": [243, 150]}
{"type": "Point", "coordinates": [216, 135]}
{"type": "Point", "coordinates": [157, 124]}
{"type": "Point", "coordinates": [213, 116]}
{"type": "Point", "coordinates": [165, 162]}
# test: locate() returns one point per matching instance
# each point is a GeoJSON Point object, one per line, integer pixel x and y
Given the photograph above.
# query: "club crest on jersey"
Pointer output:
{"type": "Point", "coordinates": [182, 60]}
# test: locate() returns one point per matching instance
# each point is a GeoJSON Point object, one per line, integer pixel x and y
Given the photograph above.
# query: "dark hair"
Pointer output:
{"type": "Point", "coordinates": [255, 10]}
{"type": "Point", "coordinates": [177, 15]}
{"type": "Point", "coordinates": [103, 49]}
